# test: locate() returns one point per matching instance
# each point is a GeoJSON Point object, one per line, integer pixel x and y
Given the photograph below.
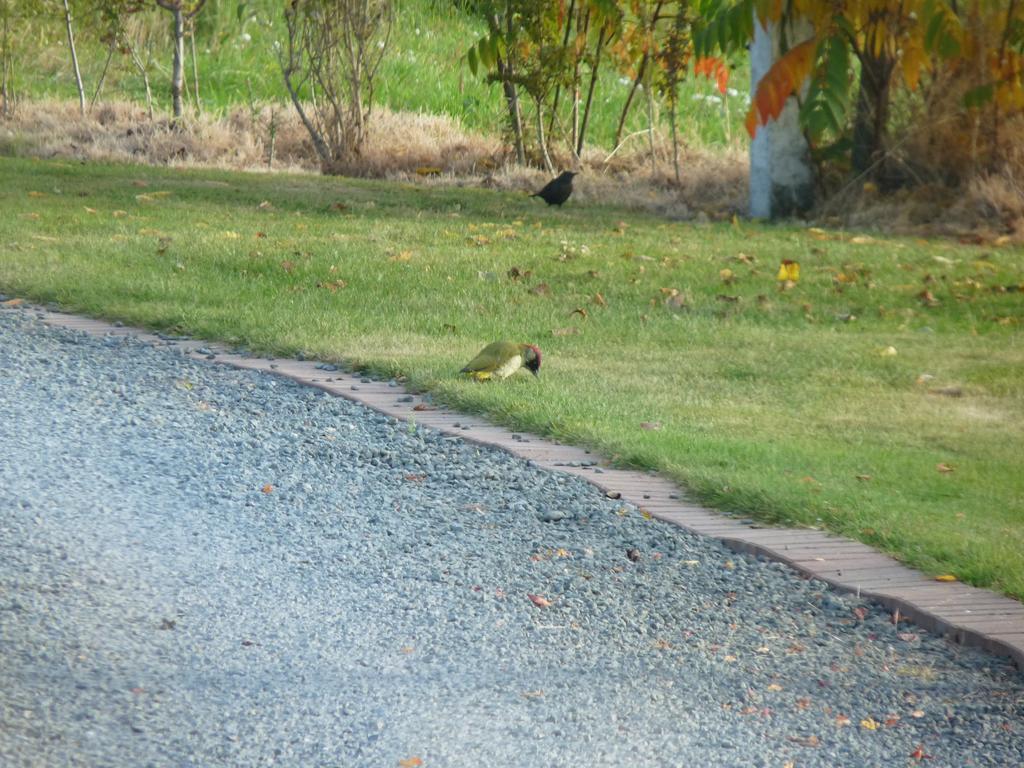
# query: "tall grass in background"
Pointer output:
{"type": "Point", "coordinates": [424, 72]}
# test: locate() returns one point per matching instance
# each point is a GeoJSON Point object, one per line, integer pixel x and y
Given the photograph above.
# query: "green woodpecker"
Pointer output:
{"type": "Point", "coordinates": [501, 359]}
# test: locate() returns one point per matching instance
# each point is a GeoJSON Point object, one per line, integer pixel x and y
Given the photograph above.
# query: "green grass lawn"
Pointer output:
{"type": "Point", "coordinates": [819, 405]}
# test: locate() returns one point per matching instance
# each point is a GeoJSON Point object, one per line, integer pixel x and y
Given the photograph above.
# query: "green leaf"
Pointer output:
{"type": "Point", "coordinates": [484, 53]}
{"type": "Point", "coordinates": [978, 97]}
{"type": "Point", "coordinates": [471, 59]}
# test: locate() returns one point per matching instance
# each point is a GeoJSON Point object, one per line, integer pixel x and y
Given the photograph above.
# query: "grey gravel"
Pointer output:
{"type": "Point", "coordinates": [201, 566]}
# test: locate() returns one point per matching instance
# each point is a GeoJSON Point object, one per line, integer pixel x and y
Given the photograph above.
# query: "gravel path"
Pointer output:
{"type": "Point", "coordinates": [201, 566]}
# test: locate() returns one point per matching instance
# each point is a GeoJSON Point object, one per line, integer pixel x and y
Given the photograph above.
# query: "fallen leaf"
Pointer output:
{"type": "Point", "coordinates": [401, 256]}
{"type": "Point", "coordinates": [774, 687]}
{"type": "Point", "coordinates": [613, 495]}
{"type": "Point", "coordinates": [579, 311]}
{"type": "Point", "coordinates": [861, 240]}
{"type": "Point", "coordinates": [540, 289]}
{"type": "Point", "coordinates": [869, 723]}
{"type": "Point", "coordinates": [651, 426]}
{"type": "Point", "coordinates": [14, 302]}
{"type": "Point", "coordinates": [89, 210]}
{"type": "Point", "coordinates": [600, 300]}
{"type": "Point", "coordinates": [331, 285]}
{"type": "Point", "coordinates": [789, 271]}
{"type": "Point", "coordinates": [515, 273]}
{"type": "Point", "coordinates": [888, 352]}
{"type": "Point", "coordinates": [119, 214]}
{"type": "Point", "coordinates": [919, 754]}
{"type": "Point", "coordinates": [806, 741]}
{"type": "Point", "coordinates": [37, 194]}
{"type": "Point", "coordinates": [891, 721]}
{"type": "Point", "coordinates": [842, 721]}
{"type": "Point", "coordinates": [677, 302]}
{"type": "Point", "coordinates": [864, 477]}
{"type": "Point", "coordinates": [410, 762]}
{"type": "Point", "coordinates": [729, 658]}
{"type": "Point", "coordinates": [415, 478]}
{"type": "Point", "coordinates": [633, 555]}
{"type": "Point", "coordinates": [860, 612]}
{"type": "Point", "coordinates": [946, 577]}
{"type": "Point", "coordinates": [918, 713]}
{"type": "Point", "coordinates": [727, 275]}
{"type": "Point", "coordinates": [539, 601]}
{"type": "Point", "coordinates": [268, 488]}
{"type": "Point", "coordinates": [423, 407]}
{"type": "Point", "coordinates": [944, 468]}
{"type": "Point", "coordinates": [908, 637]}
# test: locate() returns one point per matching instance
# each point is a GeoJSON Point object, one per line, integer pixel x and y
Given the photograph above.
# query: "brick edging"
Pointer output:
{"type": "Point", "coordinates": [966, 615]}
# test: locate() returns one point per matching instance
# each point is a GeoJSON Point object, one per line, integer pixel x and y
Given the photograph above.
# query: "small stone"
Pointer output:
{"type": "Point", "coordinates": [551, 515]}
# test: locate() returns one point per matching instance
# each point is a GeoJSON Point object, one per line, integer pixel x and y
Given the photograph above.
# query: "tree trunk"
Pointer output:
{"type": "Point", "coordinates": [103, 75]}
{"type": "Point", "coordinates": [195, 64]}
{"type": "Point", "coordinates": [74, 58]}
{"type": "Point", "coordinates": [145, 78]}
{"type": "Point", "coordinates": [178, 70]}
{"type": "Point", "coordinates": [648, 88]}
{"type": "Point", "coordinates": [781, 180]}
{"type": "Point", "coordinates": [6, 67]}
{"type": "Point", "coordinates": [872, 111]}
{"type": "Point", "coordinates": [506, 73]}
{"type": "Point", "coordinates": [590, 90]}
{"type": "Point", "coordinates": [641, 70]}
{"type": "Point", "coordinates": [541, 140]}
{"type": "Point", "coordinates": [565, 47]}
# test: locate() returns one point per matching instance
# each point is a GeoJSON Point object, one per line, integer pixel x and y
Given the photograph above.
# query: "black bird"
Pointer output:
{"type": "Point", "coordinates": [557, 191]}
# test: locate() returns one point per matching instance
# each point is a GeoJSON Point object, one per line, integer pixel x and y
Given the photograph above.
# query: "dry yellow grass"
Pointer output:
{"type": "Point", "coordinates": [405, 146]}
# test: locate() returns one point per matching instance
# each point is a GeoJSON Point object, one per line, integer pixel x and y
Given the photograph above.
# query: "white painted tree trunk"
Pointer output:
{"type": "Point", "coordinates": [781, 179]}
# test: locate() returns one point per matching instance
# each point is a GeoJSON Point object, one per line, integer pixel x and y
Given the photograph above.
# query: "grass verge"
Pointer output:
{"type": "Point", "coordinates": [880, 396]}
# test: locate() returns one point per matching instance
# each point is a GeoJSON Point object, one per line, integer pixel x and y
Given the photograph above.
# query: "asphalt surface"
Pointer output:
{"type": "Point", "coordinates": [201, 566]}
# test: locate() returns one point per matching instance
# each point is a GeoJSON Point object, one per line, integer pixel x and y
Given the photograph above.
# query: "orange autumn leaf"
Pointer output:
{"type": "Point", "coordinates": [539, 601]}
{"type": "Point", "coordinates": [946, 577]}
{"type": "Point", "coordinates": [779, 83]}
{"type": "Point", "coordinates": [713, 68]}
{"type": "Point", "coordinates": [410, 762]}
{"type": "Point", "coordinates": [268, 488]}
